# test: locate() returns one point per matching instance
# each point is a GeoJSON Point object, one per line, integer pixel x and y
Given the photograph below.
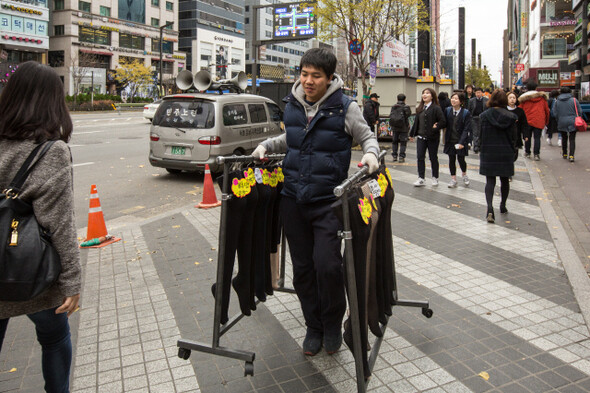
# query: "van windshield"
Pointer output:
{"type": "Point", "coordinates": [185, 114]}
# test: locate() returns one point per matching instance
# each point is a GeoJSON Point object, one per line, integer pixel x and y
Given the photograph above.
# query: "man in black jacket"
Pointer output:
{"type": "Point", "coordinates": [371, 111]}
{"type": "Point", "coordinates": [400, 126]}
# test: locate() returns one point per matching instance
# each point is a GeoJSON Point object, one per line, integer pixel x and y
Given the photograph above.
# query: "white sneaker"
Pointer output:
{"type": "Point", "coordinates": [452, 183]}
{"type": "Point", "coordinates": [434, 182]}
{"type": "Point", "coordinates": [419, 182]}
{"type": "Point", "coordinates": [466, 180]}
{"type": "Point", "coordinates": [559, 142]}
{"type": "Point", "coordinates": [549, 141]}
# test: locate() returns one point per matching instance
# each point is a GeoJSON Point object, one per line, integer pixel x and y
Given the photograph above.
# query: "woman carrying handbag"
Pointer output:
{"type": "Point", "coordinates": [565, 110]}
{"type": "Point", "coordinates": [32, 112]}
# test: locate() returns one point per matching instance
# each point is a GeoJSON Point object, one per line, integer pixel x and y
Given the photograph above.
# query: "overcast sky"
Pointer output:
{"type": "Point", "coordinates": [485, 20]}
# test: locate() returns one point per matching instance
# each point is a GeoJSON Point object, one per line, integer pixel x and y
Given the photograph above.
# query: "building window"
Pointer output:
{"type": "Point", "coordinates": [167, 66]}
{"type": "Point", "coordinates": [247, 57]}
{"type": "Point", "coordinates": [58, 5]}
{"type": "Point", "coordinates": [84, 6]}
{"type": "Point", "coordinates": [554, 48]}
{"type": "Point", "coordinates": [268, 22]}
{"type": "Point", "coordinates": [170, 24]}
{"type": "Point", "coordinates": [167, 46]}
{"type": "Point", "coordinates": [247, 20]}
{"type": "Point", "coordinates": [131, 41]}
{"type": "Point", "coordinates": [155, 22]}
{"type": "Point", "coordinates": [268, 34]}
{"type": "Point", "coordinates": [156, 3]}
{"type": "Point", "coordinates": [94, 36]}
{"type": "Point", "coordinates": [58, 30]}
{"type": "Point", "coordinates": [169, 6]}
{"type": "Point", "coordinates": [105, 11]}
{"type": "Point", "coordinates": [247, 8]}
{"type": "Point", "coordinates": [56, 58]}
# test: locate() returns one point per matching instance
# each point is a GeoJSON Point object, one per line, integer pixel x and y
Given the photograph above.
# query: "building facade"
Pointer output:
{"type": "Point", "coordinates": [542, 36]}
{"type": "Point", "coordinates": [580, 57]}
{"type": "Point", "coordinates": [23, 34]}
{"type": "Point", "coordinates": [89, 39]}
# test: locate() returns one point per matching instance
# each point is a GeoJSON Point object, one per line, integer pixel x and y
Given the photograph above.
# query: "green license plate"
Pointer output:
{"type": "Point", "coordinates": [178, 150]}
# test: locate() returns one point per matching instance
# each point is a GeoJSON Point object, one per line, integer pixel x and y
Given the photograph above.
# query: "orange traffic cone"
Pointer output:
{"type": "Point", "coordinates": [209, 197]}
{"type": "Point", "coordinates": [97, 228]}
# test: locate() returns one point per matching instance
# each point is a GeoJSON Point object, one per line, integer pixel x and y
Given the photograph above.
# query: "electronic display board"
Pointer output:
{"type": "Point", "coordinates": [294, 21]}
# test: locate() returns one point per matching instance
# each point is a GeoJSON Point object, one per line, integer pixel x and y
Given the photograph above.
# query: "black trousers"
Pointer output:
{"type": "Point", "coordinates": [536, 134]}
{"type": "Point", "coordinates": [453, 165]}
{"type": "Point", "coordinates": [432, 146]}
{"type": "Point", "coordinates": [400, 140]}
{"type": "Point", "coordinates": [312, 233]}
{"type": "Point", "coordinates": [571, 136]}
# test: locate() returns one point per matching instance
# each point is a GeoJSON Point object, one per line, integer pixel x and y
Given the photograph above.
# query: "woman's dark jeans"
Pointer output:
{"type": "Point", "coordinates": [53, 333]}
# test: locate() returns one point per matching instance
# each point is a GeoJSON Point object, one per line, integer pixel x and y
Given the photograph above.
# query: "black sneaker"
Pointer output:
{"type": "Point", "coordinates": [312, 343]}
{"type": "Point", "coordinates": [401, 159]}
{"type": "Point", "coordinates": [394, 158]}
{"type": "Point", "coordinates": [527, 155]}
{"type": "Point", "coordinates": [332, 342]}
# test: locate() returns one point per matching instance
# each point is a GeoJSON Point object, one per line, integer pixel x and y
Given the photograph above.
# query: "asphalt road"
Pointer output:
{"type": "Point", "coordinates": [111, 151]}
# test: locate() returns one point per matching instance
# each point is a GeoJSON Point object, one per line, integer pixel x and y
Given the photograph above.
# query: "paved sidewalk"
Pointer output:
{"type": "Point", "coordinates": [506, 316]}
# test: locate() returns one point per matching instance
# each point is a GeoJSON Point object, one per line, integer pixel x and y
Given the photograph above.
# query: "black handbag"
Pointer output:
{"type": "Point", "coordinates": [29, 264]}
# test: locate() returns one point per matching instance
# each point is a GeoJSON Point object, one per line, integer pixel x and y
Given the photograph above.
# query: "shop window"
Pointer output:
{"type": "Point", "coordinates": [167, 66]}
{"type": "Point", "coordinates": [167, 46]}
{"type": "Point", "coordinates": [102, 37]}
{"type": "Point", "coordinates": [131, 41]}
{"type": "Point", "coordinates": [105, 11]}
{"type": "Point", "coordinates": [84, 6]}
{"type": "Point", "coordinates": [554, 48]}
{"type": "Point", "coordinates": [58, 30]}
{"type": "Point", "coordinates": [56, 58]}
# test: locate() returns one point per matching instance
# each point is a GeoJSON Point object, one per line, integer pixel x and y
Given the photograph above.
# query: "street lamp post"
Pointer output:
{"type": "Point", "coordinates": [161, 48]}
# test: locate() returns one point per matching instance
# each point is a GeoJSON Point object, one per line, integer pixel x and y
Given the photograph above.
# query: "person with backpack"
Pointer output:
{"type": "Point", "coordinates": [457, 137]}
{"type": "Point", "coordinates": [400, 126]}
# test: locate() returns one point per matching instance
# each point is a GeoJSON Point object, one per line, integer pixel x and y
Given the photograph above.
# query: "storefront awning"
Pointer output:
{"type": "Point", "coordinates": [95, 52]}
{"type": "Point", "coordinates": [164, 60]}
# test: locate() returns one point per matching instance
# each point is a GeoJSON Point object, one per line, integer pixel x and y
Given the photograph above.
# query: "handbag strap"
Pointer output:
{"type": "Point", "coordinates": [576, 108]}
{"type": "Point", "coordinates": [27, 167]}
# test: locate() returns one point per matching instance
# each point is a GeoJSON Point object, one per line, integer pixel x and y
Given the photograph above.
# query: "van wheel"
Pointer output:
{"type": "Point", "coordinates": [238, 152]}
{"type": "Point", "coordinates": [173, 171]}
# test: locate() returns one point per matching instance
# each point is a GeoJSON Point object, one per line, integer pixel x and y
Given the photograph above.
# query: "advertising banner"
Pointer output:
{"type": "Point", "coordinates": [394, 54]}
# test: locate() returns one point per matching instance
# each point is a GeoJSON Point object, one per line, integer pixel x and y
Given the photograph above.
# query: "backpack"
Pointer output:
{"type": "Point", "coordinates": [397, 118]}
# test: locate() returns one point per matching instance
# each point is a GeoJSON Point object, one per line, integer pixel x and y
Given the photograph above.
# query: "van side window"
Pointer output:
{"type": "Point", "coordinates": [257, 113]}
{"type": "Point", "coordinates": [276, 114]}
{"type": "Point", "coordinates": [234, 114]}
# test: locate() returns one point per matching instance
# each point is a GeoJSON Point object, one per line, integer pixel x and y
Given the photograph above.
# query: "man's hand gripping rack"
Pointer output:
{"type": "Point", "coordinates": [186, 346]}
{"type": "Point", "coordinates": [342, 192]}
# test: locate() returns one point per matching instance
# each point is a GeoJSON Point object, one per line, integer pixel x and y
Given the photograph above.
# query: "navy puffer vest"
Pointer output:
{"type": "Point", "coordinates": [318, 153]}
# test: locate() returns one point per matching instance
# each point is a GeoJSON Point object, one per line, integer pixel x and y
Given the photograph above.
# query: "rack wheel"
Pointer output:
{"type": "Point", "coordinates": [184, 353]}
{"type": "Point", "coordinates": [427, 312]}
{"type": "Point", "coordinates": [248, 369]}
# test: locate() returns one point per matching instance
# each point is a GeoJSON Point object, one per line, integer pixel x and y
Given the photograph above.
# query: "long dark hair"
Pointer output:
{"type": "Point", "coordinates": [420, 107]}
{"type": "Point", "coordinates": [33, 105]}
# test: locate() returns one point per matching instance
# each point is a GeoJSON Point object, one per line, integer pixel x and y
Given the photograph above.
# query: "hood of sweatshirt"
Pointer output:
{"type": "Point", "coordinates": [564, 97]}
{"type": "Point", "coordinates": [533, 96]}
{"type": "Point", "coordinates": [499, 117]}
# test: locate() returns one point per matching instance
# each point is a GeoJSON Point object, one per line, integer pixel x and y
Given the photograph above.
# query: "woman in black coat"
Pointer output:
{"type": "Point", "coordinates": [497, 147]}
{"type": "Point", "coordinates": [430, 119]}
{"type": "Point", "coordinates": [457, 137]}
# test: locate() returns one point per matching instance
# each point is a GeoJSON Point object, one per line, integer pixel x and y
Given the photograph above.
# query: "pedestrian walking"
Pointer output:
{"type": "Point", "coordinates": [400, 126]}
{"type": "Point", "coordinates": [371, 111]}
{"type": "Point", "coordinates": [430, 119]}
{"type": "Point", "coordinates": [552, 126]}
{"type": "Point", "coordinates": [32, 111]}
{"type": "Point", "coordinates": [318, 156]}
{"type": "Point", "coordinates": [534, 104]}
{"type": "Point", "coordinates": [564, 111]}
{"type": "Point", "coordinates": [497, 149]}
{"type": "Point", "coordinates": [522, 127]}
{"type": "Point", "coordinates": [469, 94]}
{"type": "Point", "coordinates": [457, 138]}
{"type": "Point", "coordinates": [477, 104]}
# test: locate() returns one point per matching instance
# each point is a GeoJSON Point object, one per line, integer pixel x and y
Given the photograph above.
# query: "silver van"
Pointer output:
{"type": "Point", "coordinates": [192, 129]}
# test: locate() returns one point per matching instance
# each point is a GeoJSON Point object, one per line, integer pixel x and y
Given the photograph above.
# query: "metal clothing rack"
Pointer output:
{"type": "Point", "coordinates": [341, 192]}
{"type": "Point", "coordinates": [186, 346]}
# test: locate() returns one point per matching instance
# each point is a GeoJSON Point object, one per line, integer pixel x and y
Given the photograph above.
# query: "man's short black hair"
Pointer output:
{"type": "Point", "coordinates": [478, 89]}
{"type": "Point", "coordinates": [320, 58]}
{"type": "Point", "coordinates": [565, 90]}
{"type": "Point", "coordinates": [531, 84]}
{"type": "Point", "coordinates": [401, 97]}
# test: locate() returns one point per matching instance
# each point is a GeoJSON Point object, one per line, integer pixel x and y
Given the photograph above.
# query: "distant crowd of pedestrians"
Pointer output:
{"type": "Point", "coordinates": [496, 124]}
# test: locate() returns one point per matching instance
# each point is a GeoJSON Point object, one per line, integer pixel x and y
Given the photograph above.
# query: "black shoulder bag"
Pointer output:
{"type": "Point", "coordinates": [29, 264]}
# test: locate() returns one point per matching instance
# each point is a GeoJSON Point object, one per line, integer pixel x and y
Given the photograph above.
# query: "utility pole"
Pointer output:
{"type": "Point", "coordinates": [161, 49]}
{"type": "Point", "coordinates": [461, 47]}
